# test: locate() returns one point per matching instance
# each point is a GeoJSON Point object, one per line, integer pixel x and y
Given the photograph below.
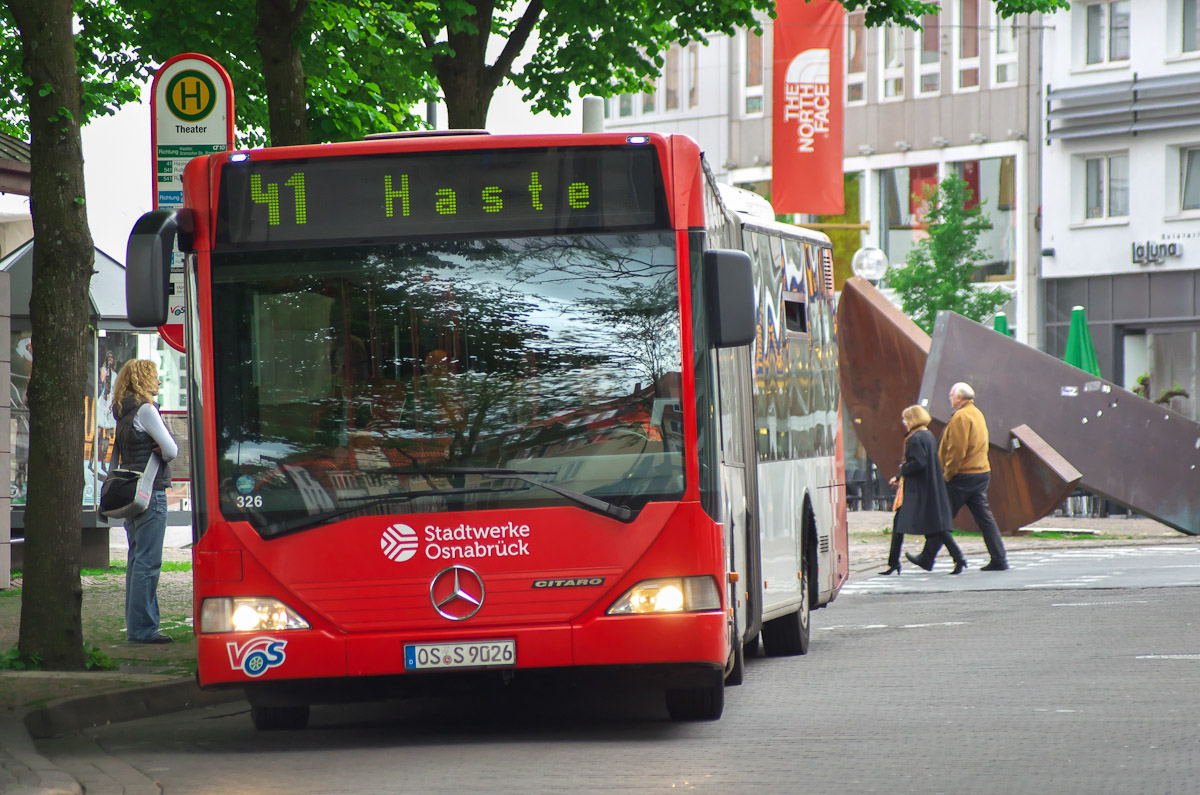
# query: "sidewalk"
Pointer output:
{"type": "Point", "coordinates": [154, 680]}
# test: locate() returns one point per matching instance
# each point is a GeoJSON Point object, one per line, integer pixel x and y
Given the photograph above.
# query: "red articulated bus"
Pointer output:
{"type": "Point", "coordinates": [472, 406]}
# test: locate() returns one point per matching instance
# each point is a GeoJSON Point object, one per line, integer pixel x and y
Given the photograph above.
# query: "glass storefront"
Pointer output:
{"type": "Point", "coordinates": [1145, 328]}
{"type": "Point", "coordinates": [108, 351]}
{"type": "Point", "coordinates": [991, 182]}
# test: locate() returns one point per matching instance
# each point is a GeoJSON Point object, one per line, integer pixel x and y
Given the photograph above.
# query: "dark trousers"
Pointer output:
{"type": "Point", "coordinates": [971, 491]}
{"type": "Point", "coordinates": [897, 542]}
{"type": "Point", "coordinates": [933, 544]}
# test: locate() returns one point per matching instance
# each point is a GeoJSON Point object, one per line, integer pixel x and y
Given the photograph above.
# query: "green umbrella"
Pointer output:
{"type": "Point", "coordinates": [1080, 351]}
{"type": "Point", "coordinates": [1000, 323]}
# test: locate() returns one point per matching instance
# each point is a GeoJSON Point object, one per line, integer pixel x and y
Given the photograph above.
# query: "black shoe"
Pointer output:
{"type": "Point", "coordinates": [994, 566]}
{"type": "Point", "coordinates": [156, 638]}
{"type": "Point", "coordinates": [891, 570]}
{"type": "Point", "coordinates": [916, 560]}
{"type": "Point", "coordinates": [959, 567]}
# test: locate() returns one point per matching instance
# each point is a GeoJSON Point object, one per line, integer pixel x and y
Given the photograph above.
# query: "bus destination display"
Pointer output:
{"type": "Point", "coordinates": [371, 198]}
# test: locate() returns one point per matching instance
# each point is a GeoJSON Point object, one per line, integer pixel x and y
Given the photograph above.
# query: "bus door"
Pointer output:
{"type": "Point", "coordinates": [739, 486]}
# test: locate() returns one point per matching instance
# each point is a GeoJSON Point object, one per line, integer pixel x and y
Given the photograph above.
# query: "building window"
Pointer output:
{"type": "Point", "coordinates": [1191, 26]}
{"type": "Point", "coordinates": [650, 100]}
{"type": "Point", "coordinates": [1004, 52]}
{"type": "Point", "coordinates": [892, 62]}
{"type": "Point", "coordinates": [1107, 32]}
{"type": "Point", "coordinates": [967, 46]}
{"type": "Point", "coordinates": [856, 57]}
{"type": "Point", "coordinates": [929, 68]}
{"type": "Point", "coordinates": [625, 105]}
{"type": "Point", "coordinates": [992, 183]}
{"type": "Point", "coordinates": [1190, 190]}
{"type": "Point", "coordinates": [752, 86]}
{"type": "Point", "coordinates": [903, 194]}
{"type": "Point", "coordinates": [693, 68]}
{"type": "Point", "coordinates": [1106, 187]}
{"type": "Point", "coordinates": [671, 79]}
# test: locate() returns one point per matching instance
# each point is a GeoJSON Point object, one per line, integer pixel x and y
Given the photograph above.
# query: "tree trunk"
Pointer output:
{"type": "Point", "coordinates": [466, 80]}
{"type": "Point", "coordinates": [283, 74]}
{"type": "Point", "coordinates": [63, 259]}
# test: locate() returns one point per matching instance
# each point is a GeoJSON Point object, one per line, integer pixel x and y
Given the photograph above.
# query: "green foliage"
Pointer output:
{"type": "Point", "coordinates": [938, 270]}
{"type": "Point", "coordinates": [909, 12]}
{"type": "Point", "coordinates": [12, 660]}
{"type": "Point", "coordinates": [108, 71]}
{"type": "Point", "coordinates": [96, 660]}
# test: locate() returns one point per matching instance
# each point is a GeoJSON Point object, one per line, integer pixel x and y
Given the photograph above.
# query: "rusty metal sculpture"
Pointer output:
{"type": "Point", "coordinates": [1127, 449]}
{"type": "Point", "coordinates": [883, 355]}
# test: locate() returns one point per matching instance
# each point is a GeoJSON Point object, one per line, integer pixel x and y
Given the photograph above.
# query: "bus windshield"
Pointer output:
{"type": "Point", "coordinates": [407, 378]}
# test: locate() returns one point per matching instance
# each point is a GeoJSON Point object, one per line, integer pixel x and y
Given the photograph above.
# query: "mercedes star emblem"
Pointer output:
{"type": "Point", "coordinates": [456, 593]}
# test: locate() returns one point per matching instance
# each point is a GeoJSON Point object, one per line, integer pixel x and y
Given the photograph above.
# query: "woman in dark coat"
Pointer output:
{"type": "Point", "coordinates": [925, 505]}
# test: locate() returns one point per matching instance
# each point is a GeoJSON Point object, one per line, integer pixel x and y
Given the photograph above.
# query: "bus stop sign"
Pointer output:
{"type": "Point", "coordinates": [191, 110]}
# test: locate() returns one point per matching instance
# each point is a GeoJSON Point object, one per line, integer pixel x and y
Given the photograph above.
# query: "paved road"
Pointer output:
{"type": "Point", "coordinates": [1060, 689]}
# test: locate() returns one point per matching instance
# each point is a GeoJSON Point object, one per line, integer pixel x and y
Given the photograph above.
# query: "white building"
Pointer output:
{"type": "Point", "coordinates": [1121, 188]}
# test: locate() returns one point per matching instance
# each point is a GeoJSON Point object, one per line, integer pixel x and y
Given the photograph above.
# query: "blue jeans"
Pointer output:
{"type": "Point", "coordinates": [145, 533]}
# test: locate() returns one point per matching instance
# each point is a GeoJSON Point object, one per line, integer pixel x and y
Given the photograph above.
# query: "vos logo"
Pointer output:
{"type": "Point", "coordinates": [257, 655]}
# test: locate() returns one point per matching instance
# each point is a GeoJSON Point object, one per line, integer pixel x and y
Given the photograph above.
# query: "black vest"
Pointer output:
{"type": "Point", "coordinates": [134, 447]}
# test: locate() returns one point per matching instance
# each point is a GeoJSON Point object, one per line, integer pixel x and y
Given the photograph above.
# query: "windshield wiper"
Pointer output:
{"type": "Point", "coordinates": [603, 507]}
{"type": "Point", "coordinates": [311, 520]}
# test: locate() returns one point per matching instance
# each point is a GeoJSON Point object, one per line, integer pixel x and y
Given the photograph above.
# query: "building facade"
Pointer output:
{"type": "Point", "coordinates": [961, 95]}
{"type": "Point", "coordinates": [1121, 187]}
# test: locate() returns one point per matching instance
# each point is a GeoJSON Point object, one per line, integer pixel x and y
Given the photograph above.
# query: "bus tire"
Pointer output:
{"type": "Point", "coordinates": [276, 718]}
{"type": "Point", "coordinates": [789, 635]}
{"type": "Point", "coordinates": [697, 703]}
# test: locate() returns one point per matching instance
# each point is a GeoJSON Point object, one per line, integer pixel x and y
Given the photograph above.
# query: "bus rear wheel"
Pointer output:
{"type": "Point", "coordinates": [697, 703]}
{"type": "Point", "coordinates": [275, 718]}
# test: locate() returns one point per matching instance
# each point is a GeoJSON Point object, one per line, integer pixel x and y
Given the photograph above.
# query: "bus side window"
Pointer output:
{"type": "Point", "coordinates": [795, 313]}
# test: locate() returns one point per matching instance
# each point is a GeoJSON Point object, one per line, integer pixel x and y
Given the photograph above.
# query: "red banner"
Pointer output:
{"type": "Point", "coordinates": [806, 157]}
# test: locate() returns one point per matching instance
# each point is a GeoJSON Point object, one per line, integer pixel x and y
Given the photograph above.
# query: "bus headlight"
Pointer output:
{"type": "Point", "coordinates": [669, 595]}
{"type": "Point", "coordinates": [248, 614]}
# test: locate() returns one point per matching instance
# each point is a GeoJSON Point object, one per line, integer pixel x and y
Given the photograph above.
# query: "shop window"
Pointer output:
{"type": "Point", "coordinates": [856, 57]}
{"type": "Point", "coordinates": [1107, 32]}
{"type": "Point", "coordinates": [903, 193]}
{"type": "Point", "coordinates": [992, 185]}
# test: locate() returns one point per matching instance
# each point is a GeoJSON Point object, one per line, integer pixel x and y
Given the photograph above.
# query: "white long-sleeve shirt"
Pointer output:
{"type": "Point", "coordinates": [149, 421]}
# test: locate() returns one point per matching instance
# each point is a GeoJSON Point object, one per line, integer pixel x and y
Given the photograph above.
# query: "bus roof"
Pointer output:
{"type": "Point", "coordinates": [756, 212]}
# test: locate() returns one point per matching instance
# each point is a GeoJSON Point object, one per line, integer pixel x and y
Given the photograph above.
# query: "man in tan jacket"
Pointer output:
{"type": "Point", "coordinates": [964, 455]}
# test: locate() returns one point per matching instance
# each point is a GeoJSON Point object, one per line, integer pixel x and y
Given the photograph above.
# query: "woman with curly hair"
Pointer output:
{"type": "Point", "coordinates": [141, 434]}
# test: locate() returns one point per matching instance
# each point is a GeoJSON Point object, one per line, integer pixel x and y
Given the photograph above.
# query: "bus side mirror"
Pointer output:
{"type": "Point", "coordinates": [148, 264]}
{"type": "Point", "coordinates": [729, 284]}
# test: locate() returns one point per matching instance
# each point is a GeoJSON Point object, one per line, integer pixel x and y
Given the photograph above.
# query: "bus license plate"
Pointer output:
{"type": "Point", "coordinates": [466, 654]}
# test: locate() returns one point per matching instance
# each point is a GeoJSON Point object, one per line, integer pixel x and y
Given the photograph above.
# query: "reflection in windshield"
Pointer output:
{"type": "Point", "coordinates": [349, 373]}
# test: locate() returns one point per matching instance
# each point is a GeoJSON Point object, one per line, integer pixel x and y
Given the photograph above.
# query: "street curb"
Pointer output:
{"type": "Point", "coordinates": [122, 705]}
{"type": "Point", "coordinates": [21, 763]}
